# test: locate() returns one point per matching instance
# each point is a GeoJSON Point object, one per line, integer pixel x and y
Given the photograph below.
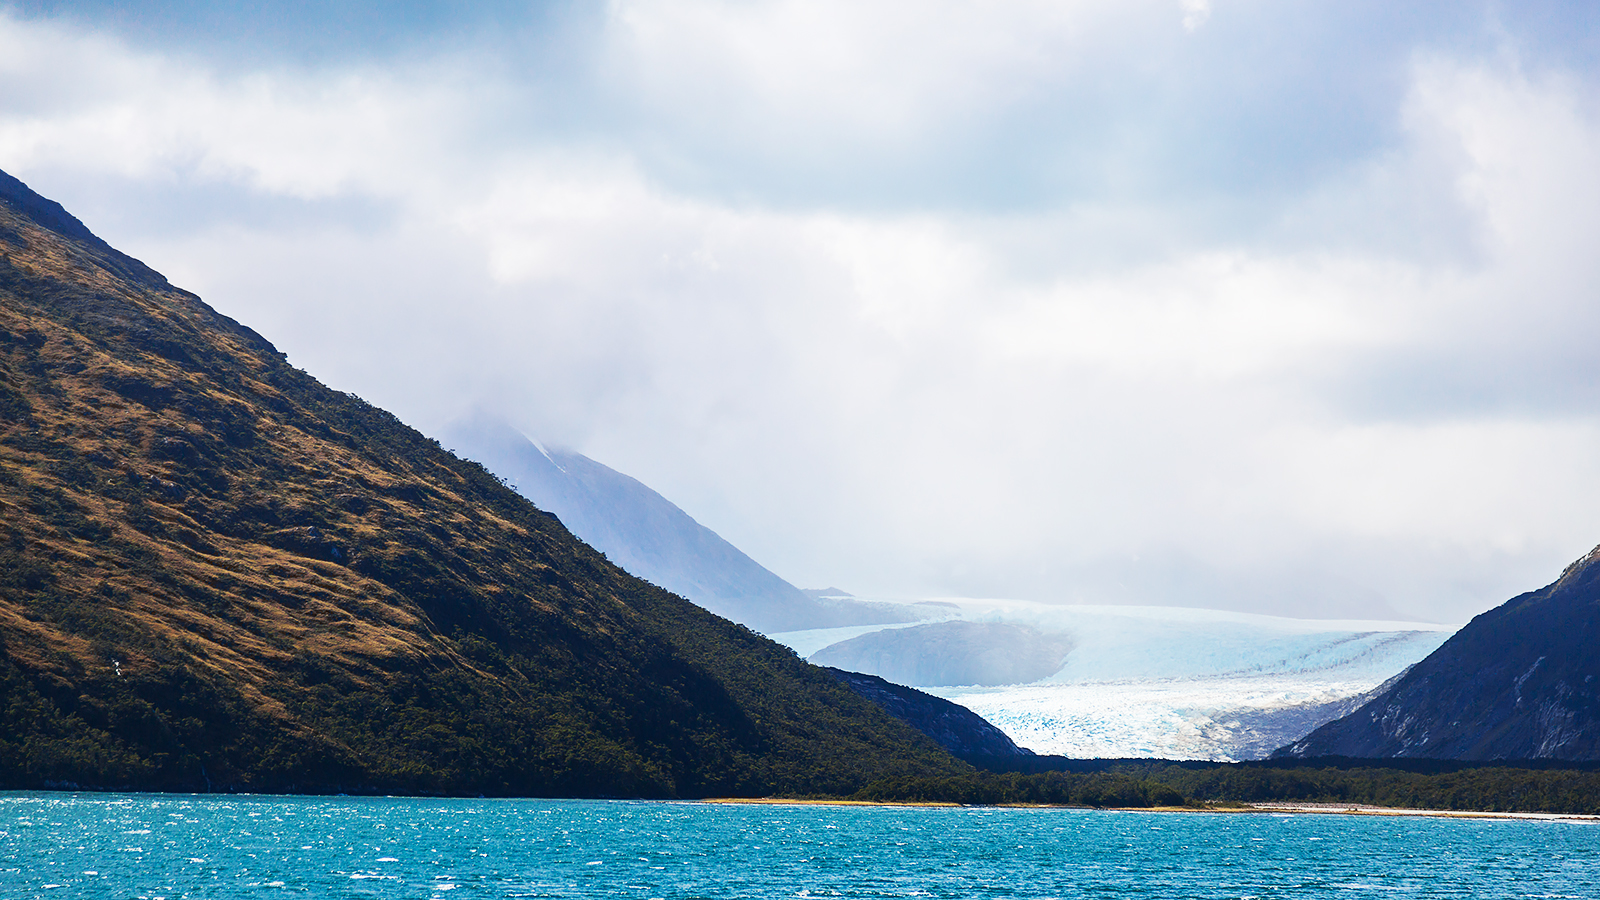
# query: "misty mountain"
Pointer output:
{"type": "Point", "coordinates": [218, 574]}
{"type": "Point", "coordinates": [1521, 681]}
{"type": "Point", "coordinates": [645, 534]}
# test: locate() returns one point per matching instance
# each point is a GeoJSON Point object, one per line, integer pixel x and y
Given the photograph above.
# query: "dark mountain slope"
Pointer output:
{"type": "Point", "coordinates": [216, 573]}
{"type": "Point", "coordinates": [951, 725]}
{"type": "Point", "coordinates": [1521, 681]}
{"type": "Point", "coordinates": [646, 534]}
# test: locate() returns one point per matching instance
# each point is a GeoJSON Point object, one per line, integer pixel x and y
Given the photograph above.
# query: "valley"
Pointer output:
{"type": "Point", "coordinates": [1143, 682]}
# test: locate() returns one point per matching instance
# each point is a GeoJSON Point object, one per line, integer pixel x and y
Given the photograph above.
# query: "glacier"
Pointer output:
{"type": "Point", "coordinates": [1153, 682]}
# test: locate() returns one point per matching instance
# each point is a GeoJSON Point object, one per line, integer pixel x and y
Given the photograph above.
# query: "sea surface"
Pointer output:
{"type": "Point", "coordinates": [59, 845]}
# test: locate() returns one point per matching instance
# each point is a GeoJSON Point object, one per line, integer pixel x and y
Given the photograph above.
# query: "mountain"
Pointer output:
{"type": "Point", "coordinates": [218, 574]}
{"type": "Point", "coordinates": [644, 533]}
{"type": "Point", "coordinates": [957, 729]}
{"type": "Point", "coordinates": [1521, 681]}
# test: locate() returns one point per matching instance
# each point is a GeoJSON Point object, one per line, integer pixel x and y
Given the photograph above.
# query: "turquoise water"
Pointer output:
{"type": "Point", "coordinates": [172, 846]}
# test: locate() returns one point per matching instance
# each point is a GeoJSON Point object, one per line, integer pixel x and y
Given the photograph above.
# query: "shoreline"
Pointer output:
{"type": "Point", "coordinates": [1361, 809]}
{"type": "Point", "coordinates": [1335, 809]}
{"type": "Point", "coordinates": [779, 801]}
{"type": "Point", "coordinates": [1264, 807]}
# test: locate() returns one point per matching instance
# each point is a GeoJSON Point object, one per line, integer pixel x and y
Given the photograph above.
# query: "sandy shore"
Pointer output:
{"type": "Point", "coordinates": [1356, 809]}
{"type": "Point", "coordinates": [778, 801]}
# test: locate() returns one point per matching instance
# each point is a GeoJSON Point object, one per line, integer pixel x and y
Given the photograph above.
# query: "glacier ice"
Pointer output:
{"type": "Point", "coordinates": [1173, 683]}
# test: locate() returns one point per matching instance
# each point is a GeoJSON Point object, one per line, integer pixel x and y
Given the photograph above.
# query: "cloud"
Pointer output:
{"type": "Point", "coordinates": [1063, 301]}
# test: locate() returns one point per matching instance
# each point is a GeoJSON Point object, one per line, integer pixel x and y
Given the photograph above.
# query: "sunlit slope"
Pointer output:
{"type": "Point", "coordinates": [217, 573]}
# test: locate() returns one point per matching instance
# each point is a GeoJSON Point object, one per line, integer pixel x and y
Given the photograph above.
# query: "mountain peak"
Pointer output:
{"type": "Point", "coordinates": [1521, 681]}
{"type": "Point", "coordinates": [649, 536]}
{"type": "Point", "coordinates": [48, 214]}
{"type": "Point", "coordinates": [43, 212]}
{"type": "Point", "coordinates": [1582, 570]}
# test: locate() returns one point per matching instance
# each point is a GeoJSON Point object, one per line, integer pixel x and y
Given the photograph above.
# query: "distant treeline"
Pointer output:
{"type": "Point", "coordinates": [1104, 789]}
{"type": "Point", "coordinates": [1523, 786]}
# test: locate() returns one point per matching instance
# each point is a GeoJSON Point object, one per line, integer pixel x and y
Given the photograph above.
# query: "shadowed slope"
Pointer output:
{"type": "Point", "coordinates": [217, 573]}
{"type": "Point", "coordinates": [954, 727]}
{"type": "Point", "coordinates": [1521, 681]}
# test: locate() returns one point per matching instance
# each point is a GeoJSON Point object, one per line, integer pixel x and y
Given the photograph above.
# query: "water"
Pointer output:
{"type": "Point", "coordinates": [182, 846]}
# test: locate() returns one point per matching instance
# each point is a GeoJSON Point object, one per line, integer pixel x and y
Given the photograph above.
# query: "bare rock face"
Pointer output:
{"type": "Point", "coordinates": [1521, 681]}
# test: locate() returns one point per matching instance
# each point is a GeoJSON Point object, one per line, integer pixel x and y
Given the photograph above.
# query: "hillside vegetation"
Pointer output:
{"type": "Point", "coordinates": [218, 574]}
{"type": "Point", "coordinates": [1525, 787]}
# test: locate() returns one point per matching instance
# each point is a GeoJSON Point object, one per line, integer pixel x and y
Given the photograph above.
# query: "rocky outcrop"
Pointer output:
{"type": "Point", "coordinates": [1521, 681]}
{"type": "Point", "coordinates": [952, 726]}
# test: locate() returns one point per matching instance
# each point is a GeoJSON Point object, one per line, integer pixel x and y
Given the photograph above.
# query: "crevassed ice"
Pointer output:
{"type": "Point", "coordinates": [1177, 683]}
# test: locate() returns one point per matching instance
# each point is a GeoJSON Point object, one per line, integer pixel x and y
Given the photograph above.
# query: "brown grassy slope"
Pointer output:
{"type": "Point", "coordinates": [215, 572]}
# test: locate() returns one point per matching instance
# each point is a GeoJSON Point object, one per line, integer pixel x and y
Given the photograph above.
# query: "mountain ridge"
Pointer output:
{"type": "Point", "coordinates": [218, 574]}
{"type": "Point", "coordinates": [952, 726]}
{"type": "Point", "coordinates": [650, 536]}
{"type": "Point", "coordinates": [1521, 681]}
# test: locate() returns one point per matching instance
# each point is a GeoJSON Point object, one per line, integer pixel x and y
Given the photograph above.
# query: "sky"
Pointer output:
{"type": "Point", "coordinates": [1282, 307]}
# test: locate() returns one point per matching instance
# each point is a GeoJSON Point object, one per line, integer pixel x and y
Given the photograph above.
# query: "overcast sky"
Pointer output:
{"type": "Point", "coordinates": [1274, 306]}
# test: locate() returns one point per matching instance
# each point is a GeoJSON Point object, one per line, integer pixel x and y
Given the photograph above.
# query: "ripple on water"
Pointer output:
{"type": "Point", "coordinates": [322, 846]}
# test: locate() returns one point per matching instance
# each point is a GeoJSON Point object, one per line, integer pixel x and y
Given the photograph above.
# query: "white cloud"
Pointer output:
{"type": "Point", "coordinates": [1367, 391]}
{"type": "Point", "coordinates": [840, 72]}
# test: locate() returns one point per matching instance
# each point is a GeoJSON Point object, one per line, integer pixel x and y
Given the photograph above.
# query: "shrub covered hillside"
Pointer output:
{"type": "Point", "coordinates": [216, 573]}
